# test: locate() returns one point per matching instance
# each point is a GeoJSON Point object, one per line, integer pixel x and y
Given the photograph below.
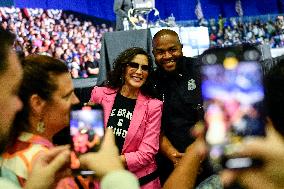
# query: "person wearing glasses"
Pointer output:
{"type": "Point", "coordinates": [132, 112]}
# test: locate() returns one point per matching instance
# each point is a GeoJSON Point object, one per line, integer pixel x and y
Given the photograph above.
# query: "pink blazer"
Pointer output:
{"type": "Point", "coordinates": [142, 141]}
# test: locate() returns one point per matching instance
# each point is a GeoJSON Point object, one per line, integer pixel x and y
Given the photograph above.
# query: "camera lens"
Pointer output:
{"type": "Point", "coordinates": [209, 59]}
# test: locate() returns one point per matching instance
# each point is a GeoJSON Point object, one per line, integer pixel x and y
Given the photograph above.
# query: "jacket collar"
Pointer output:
{"type": "Point", "coordinates": [110, 91]}
{"type": "Point", "coordinates": [135, 124]}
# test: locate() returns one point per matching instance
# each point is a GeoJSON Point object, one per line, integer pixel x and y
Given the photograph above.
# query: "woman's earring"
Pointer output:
{"type": "Point", "coordinates": [40, 127]}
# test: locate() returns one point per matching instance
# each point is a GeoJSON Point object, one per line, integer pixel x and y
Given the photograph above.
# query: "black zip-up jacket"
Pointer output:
{"type": "Point", "coordinates": [181, 92]}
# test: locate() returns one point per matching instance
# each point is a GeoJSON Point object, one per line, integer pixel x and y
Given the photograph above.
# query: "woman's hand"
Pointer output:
{"type": "Point", "coordinates": [47, 166]}
{"type": "Point", "coordinates": [107, 159]}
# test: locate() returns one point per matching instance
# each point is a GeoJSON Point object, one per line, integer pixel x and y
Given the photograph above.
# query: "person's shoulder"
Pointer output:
{"type": "Point", "coordinates": [96, 63]}
{"type": "Point", "coordinates": [6, 183]}
{"type": "Point", "coordinates": [155, 72]}
{"type": "Point", "coordinates": [157, 75]}
{"type": "Point", "coordinates": [103, 89]}
{"type": "Point", "coordinates": [99, 88]}
{"type": "Point", "coordinates": [154, 102]}
{"type": "Point", "coordinates": [192, 64]}
{"type": "Point", "coordinates": [92, 64]}
{"type": "Point", "coordinates": [191, 61]}
{"type": "Point", "coordinates": [88, 63]}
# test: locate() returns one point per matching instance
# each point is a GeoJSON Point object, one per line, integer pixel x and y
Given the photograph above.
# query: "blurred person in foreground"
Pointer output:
{"type": "Point", "coordinates": [269, 149]}
{"type": "Point", "coordinates": [133, 113]}
{"type": "Point", "coordinates": [46, 166]}
{"type": "Point", "coordinates": [47, 94]}
{"type": "Point", "coordinates": [10, 78]}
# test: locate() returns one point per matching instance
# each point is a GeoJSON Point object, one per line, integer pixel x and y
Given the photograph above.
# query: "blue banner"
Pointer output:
{"type": "Point", "coordinates": [181, 9]}
{"type": "Point", "coordinates": [6, 3]}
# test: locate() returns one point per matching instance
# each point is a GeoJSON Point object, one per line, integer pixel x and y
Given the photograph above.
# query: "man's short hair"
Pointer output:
{"type": "Point", "coordinates": [165, 32]}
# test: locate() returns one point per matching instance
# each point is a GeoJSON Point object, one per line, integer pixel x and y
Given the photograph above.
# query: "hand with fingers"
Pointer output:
{"type": "Point", "coordinates": [175, 157]}
{"type": "Point", "coordinates": [47, 167]}
{"type": "Point", "coordinates": [270, 150]}
{"type": "Point", "coordinates": [107, 159]}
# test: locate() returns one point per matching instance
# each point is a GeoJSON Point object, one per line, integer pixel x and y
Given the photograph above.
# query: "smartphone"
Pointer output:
{"type": "Point", "coordinates": [86, 134]}
{"type": "Point", "coordinates": [233, 97]}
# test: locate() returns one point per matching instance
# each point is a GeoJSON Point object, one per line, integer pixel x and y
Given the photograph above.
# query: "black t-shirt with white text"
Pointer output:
{"type": "Point", "coordinates": [120, 117]}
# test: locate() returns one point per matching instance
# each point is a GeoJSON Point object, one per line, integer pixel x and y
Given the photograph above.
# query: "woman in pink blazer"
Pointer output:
{"type": "Point", "coordinates": [133, 114]}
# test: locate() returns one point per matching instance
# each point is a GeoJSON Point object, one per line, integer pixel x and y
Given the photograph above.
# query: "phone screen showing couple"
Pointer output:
{"type": "Point", "coordinates": [86, 134]}
{"type": "Point", "coordinates": [233, 102]}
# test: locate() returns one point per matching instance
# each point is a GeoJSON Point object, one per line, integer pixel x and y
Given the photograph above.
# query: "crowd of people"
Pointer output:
{"type": "Point", "coordinates": [234, 31]}
{"type": "Point", "coordinates": [149, 111]}
{"type": "Point", "coordinates": [58, 34]}
{"type": "Point", "coordinates": [78, 41]}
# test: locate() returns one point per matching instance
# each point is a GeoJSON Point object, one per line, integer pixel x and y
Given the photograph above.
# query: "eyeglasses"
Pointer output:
{"type": "Point", "coordinates": [136, 66]}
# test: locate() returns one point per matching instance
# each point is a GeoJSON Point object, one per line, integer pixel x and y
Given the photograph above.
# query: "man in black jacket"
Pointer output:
{"type": "Point", "coordinates": [178, 85]}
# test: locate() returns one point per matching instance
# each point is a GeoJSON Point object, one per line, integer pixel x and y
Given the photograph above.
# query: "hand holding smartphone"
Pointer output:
{"type": "Point", "coordinates": [233, 102]}
{"type": "Point", "coordinates": [86, 134]}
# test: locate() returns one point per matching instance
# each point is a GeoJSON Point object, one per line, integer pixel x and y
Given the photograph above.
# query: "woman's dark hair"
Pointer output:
{"type": "Point", "coordinates": [38, 78]}
{"type": "Point", "coordinates": [115, 79]}
{"type": "Point", "coordinates": [6, 43]}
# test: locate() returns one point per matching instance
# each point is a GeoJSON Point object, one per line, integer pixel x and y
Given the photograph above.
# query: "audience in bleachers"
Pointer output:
{"type": "Point", "coordinates": [227, 32]}
{"type": "Point", "coordinates": [55, 33]}
{"type": "Point", "coordinates": [65, 36]}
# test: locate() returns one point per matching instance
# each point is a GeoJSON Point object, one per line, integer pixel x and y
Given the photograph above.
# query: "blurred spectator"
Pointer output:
{"type": "Point", "coordinates": [53, 32]}
{"type": "Point", "coordinates": [233, 31]}
{"type": "Point", "coordinates": [91, 65]}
